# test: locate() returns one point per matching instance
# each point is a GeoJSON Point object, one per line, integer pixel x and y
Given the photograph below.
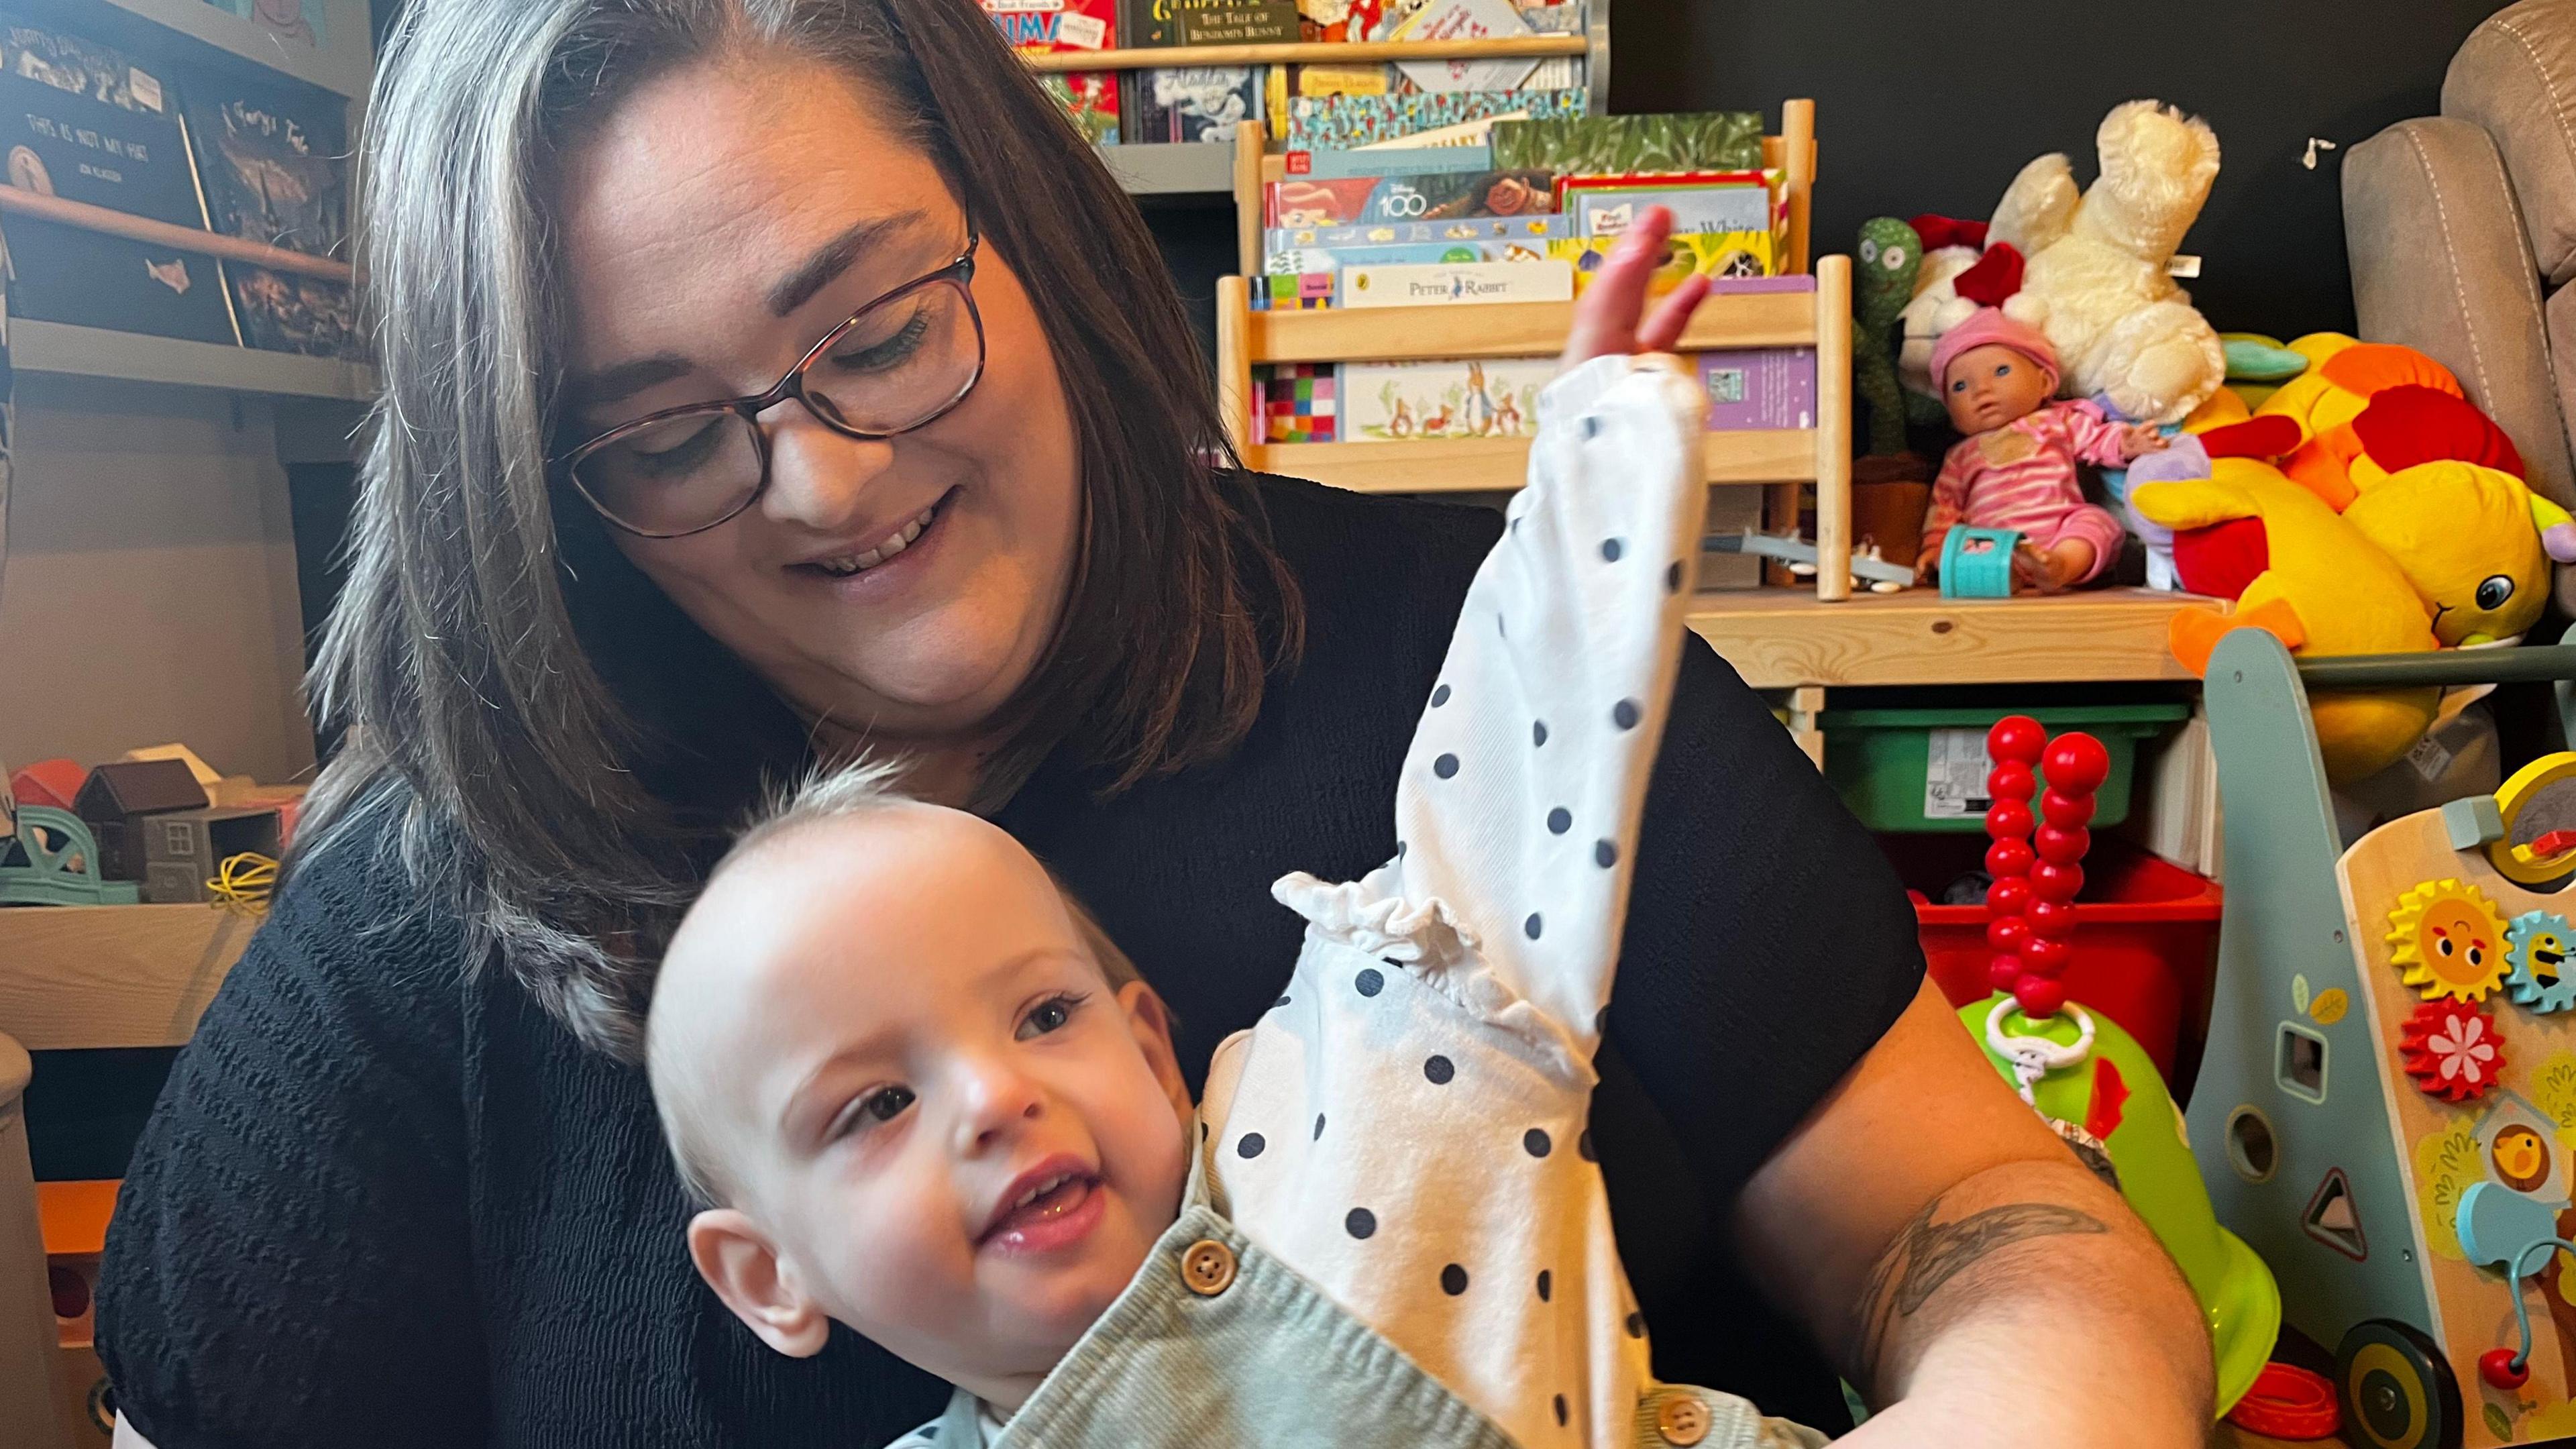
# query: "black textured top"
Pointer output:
{"type": "Point", "coordinates": [387, 1201]}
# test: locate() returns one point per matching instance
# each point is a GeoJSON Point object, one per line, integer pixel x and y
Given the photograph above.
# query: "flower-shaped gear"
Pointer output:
{"type": "Point", "coordinates": [2538, 946]}
{"type": "Point", "coordinates": [2452, 1050]}
{"type": "Point", "coordinates": [2447, 941]}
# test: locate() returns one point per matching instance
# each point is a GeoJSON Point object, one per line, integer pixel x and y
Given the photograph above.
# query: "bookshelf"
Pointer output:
{"type": "Point", "coordinates": [1782, 460]}
{"type": "Point", "coordinates": [1367, 52]}
{"type": "Point", "coordinates": [1145, 170]}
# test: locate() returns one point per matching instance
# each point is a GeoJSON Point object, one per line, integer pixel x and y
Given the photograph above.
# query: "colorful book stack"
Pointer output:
{"type": "Point", "coordinates": [1047, 27]}
{"type": "Point", "coordinates": [1341, 212]}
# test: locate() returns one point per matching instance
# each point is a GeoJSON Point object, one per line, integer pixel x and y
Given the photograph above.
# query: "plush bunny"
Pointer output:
{"type": "Point", "coordinates": [2095, 278]}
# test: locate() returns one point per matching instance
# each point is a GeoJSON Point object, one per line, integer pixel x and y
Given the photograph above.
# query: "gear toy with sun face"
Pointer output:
{"type": "Point", "coordinates": [2447, 941]}
{"type": "Point", "coordinates": [2537, 946]}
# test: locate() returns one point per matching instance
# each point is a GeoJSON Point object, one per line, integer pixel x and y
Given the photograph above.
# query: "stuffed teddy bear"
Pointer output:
{"type": "Point", "coordinates": [2094, 278]}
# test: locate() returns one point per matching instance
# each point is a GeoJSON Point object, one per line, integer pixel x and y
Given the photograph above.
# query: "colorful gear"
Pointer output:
{"type": "Point", "coordinates": [2447, 941]}
{"type": "Point", "coordinates": [2539, 945]}
{"type": "Point", "coordinates": [2452, 1050]}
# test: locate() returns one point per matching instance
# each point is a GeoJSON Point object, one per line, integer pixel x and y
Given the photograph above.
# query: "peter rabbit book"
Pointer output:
{"type": "Point", "coordinates": [1426, 401]}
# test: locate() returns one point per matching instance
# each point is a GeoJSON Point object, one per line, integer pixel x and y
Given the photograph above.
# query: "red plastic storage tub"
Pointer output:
{"type": "Point", "coordinates": [2146, 938]}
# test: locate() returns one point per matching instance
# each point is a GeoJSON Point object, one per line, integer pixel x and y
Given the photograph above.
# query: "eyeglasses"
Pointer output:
{"type": "Point", "coordinates": [899, 363]}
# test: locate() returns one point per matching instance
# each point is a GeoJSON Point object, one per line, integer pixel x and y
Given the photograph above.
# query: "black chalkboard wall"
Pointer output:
{"type": "Point", "coordinates": [1934, 107]}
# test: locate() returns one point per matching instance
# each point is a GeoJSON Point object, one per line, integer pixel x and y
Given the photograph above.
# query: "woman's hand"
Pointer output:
{"type": "Point", "coordinates": [1607, 317]}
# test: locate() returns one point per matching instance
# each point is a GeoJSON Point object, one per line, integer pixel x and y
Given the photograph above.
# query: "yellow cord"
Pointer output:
{"type": "Point", "coordinates": [243, 882]}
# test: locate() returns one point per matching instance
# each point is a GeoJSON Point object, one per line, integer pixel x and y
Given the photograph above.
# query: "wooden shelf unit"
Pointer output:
{"type": "Point", "coordinates": [1782, 639]}
{"type": "Point", "coordinates": [1820, 319]}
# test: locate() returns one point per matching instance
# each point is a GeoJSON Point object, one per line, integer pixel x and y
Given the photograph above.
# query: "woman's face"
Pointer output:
{"type": "Point", "coordinates": [716, 225]}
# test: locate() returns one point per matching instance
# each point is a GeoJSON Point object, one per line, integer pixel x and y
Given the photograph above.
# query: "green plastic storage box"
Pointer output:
{"type": "Point", "coordinates": [1925, 769]}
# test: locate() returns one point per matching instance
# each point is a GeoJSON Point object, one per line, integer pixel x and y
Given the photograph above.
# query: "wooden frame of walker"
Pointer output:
{"type": "Point", "coordinates": [1782, 461]}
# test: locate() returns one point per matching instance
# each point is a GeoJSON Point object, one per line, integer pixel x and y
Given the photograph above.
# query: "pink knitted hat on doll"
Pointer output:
{"type": "Point", "coordinates": [1989, 327]}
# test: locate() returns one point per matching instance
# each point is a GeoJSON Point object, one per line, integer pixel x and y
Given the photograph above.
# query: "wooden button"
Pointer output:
{"type": "Point", "coordinates": [1682, 1420]}
{"type": "Point", "coordinates": [1207, 1268]}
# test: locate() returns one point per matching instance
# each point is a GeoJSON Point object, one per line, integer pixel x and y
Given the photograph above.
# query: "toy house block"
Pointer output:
{"type": "Point", "coordinates": [117, 797]}
{"type": "Point", "coordinates": [183, 848]}
{"type": "Point", "coordinates": [48, 782]}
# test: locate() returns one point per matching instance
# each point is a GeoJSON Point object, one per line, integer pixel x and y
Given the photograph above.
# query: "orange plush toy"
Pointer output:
{"type": "Point", "coordinates": [2343, 378]}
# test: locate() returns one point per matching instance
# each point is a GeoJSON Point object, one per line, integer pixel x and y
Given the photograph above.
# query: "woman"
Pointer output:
{"type": "Point", "coordinates": [613, 568]}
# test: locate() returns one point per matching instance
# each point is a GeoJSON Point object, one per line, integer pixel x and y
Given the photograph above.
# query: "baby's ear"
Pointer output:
{"type": "Point", "coordinates": [1151, 1021]}
{"type": "Point", "coordinates": [740, 1263]}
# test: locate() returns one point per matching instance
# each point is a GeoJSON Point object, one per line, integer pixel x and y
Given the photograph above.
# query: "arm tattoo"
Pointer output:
{"type": "Point", "coordinates": [1926, 1255]}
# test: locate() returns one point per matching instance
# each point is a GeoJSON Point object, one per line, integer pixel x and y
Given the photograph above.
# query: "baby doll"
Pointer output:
{"type": "Point", "coordinates": [916, 1095]}
{"type": "Point", "coordinates": [2016, 466]}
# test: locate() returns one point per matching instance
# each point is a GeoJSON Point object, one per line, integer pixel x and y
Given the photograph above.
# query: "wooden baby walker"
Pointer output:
{"type": "Point", "coordinates": [2387, 1108]}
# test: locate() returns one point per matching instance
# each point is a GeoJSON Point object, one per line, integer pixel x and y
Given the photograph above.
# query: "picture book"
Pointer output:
{"type": "Point", "coordinates": [1409, 233]}
{"type": "Point", "coordinates": [1090, 98]}
{"type": "Point", "coordinates": [298, 22]}
{"type": "Point", "coordinates": [1452, 284]}
{"type": "Point", "coordinates": [1519, 239]}
{"type": "Point", "coordinates": [1300, 201]}
{"type": "Point", "coordinates": [1583, 145]}
{"type": "Point", "coordinates": [82, 121]}
{"type": "Point", "coordinates": [1191, 103]}
{"type": "Point", "coordinates": [1755, 389]}
{"type": "Point", "coordinates": [1410, 401]}
{"type": "Point", "coordinates": [1294, 292]}
{"type": "Point", "coordinates": [1336, 21]}
{"type": "Point", "coordinates": [1454, 20]}
{"type": "Point", "coordinates": [1316, 259]}
{"type": "Point", "coordinates": [1049, 26]}
{"type": "Point", "coordinates": [1287, 81]}
{"type": "Point", "coordinates": [1714, 254]}
{"type": "Point", "coordinates": [1414, 160]}
{"type": "Point", "coordinates": [1236, 22]}
{"type": "Point", "coordinates": [1293, 402]}
{"type": "Point", "coordinates": [270, 172]}
{"type": "Point", "coordinates": [1724, 201]}
{"type": "Point", "coordinates": [1556, 72]}
{"type": "Point", "coordinates": [1321, 122]}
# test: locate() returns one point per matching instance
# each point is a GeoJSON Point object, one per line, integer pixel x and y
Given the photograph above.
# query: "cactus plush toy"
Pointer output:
{"type": "Point", "coordinates": [1890, 256]}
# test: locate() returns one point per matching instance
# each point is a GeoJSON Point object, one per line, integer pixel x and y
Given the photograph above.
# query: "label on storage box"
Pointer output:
{"type": "Point", "coordinates": [1954, 774]}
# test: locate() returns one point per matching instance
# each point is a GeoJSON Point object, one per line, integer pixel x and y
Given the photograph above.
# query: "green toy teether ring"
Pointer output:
{"type": "Point", "coordinates": [1976, 563]}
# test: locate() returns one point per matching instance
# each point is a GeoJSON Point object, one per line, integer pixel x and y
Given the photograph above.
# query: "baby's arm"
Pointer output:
{"type": "Point", "coordinates": [1949, 501]}
{"type": "Point", "coordinates": [1519, 801]}
{"type": "Point", "coordinates": [2104, 443]}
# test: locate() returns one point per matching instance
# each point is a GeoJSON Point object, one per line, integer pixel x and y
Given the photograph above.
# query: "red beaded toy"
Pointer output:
{"type": "Point", "coordinates": [2037, 867]}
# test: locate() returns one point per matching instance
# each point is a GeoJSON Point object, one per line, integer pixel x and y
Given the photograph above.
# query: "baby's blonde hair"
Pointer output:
{"type": "Point", "coordinates": [822, 796]}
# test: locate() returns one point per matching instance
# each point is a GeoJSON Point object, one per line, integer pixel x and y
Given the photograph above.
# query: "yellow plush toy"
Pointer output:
{"type": "Point", "coordinates": [2474, 541]}
{"type": "Point", "coordinates": [2301, 571]}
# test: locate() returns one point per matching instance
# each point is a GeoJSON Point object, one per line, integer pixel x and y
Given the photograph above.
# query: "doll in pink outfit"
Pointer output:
{"type": "Point", "coordinates": [2016, 467]}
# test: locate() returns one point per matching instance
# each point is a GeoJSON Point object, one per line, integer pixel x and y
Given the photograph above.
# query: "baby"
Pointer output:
{"type": "Point", "coordinates": [2016, 467]}
{"type": "Point", "coordinates": [918, 1093]}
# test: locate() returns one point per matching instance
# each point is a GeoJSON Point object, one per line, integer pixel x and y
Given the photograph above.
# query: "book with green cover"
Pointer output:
{"type": "Point", "coordinates": [1612, 145]}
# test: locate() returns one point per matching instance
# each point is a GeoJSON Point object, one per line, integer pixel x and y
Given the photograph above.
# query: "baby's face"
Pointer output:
{"type": "Point", "coordinates": [1987, 387]}
{"type": "Point", "coordinates": [938, 1123]}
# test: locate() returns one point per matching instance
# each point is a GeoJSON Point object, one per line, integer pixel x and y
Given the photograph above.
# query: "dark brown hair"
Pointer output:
{"type": "Point", "coordinates": [522, 710]}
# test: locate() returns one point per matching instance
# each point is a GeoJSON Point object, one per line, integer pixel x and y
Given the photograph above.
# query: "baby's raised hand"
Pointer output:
{"type": "Point", "coordinates": [2139, 439]}
{"type": "Point", "coordinates": [1607, 317]}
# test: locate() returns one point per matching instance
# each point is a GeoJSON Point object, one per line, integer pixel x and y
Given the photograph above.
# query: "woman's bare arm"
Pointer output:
{"type": "Point", "coordinates": [1965, 1270]}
